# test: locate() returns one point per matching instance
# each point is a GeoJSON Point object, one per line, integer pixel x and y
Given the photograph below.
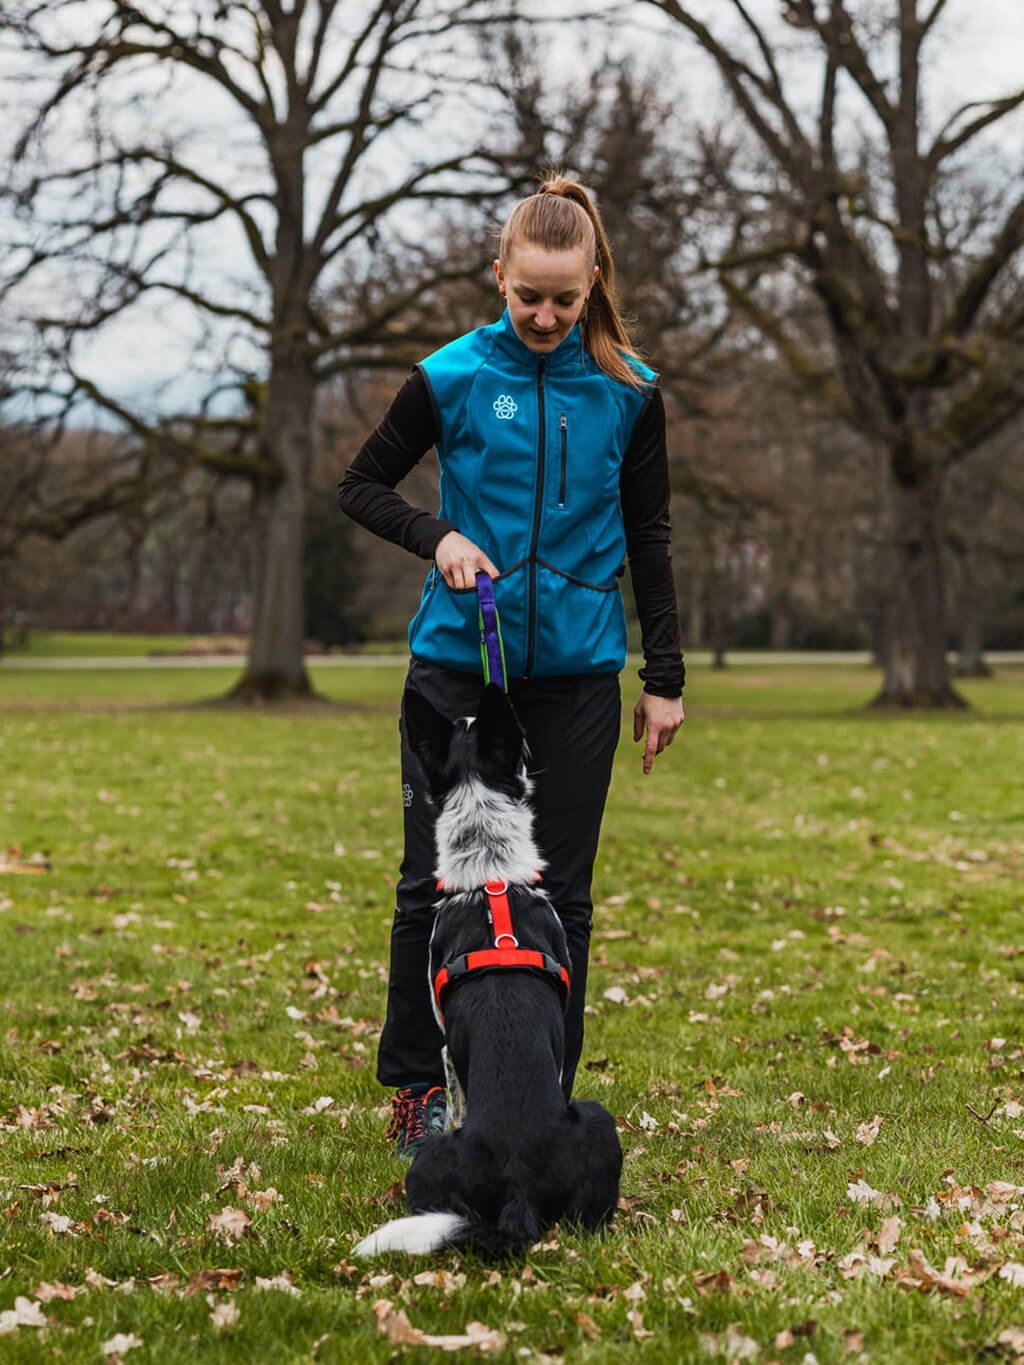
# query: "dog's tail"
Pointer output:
{"type": "Point", "coordinates": [516, 1230]}
{"type": "Point", "coordinates": [417, 1235]}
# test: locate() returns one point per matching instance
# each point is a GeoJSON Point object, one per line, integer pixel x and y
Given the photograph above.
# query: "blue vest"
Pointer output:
{"type": "Point", "coordinates": [531, 450]}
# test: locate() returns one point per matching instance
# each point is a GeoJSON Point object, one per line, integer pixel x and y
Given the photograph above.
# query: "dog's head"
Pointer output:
{"type": "Point", "coordinates": [490, 746]}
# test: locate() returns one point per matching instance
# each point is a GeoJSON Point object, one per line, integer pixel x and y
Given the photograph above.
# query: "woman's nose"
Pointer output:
{"type": "Point", "coordinates": [545, 316]}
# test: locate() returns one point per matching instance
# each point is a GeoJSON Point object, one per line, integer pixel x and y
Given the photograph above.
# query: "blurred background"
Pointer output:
{"type": "Point", "coordinates": [228, 231]}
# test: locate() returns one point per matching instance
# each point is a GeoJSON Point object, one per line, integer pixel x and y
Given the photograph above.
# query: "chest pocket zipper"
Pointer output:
{"type": "Point", "coordinates": [563, 432]}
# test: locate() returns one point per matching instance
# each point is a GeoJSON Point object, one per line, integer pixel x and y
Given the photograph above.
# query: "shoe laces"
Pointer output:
{"type": "Point", "coordinates": [409, 1112]}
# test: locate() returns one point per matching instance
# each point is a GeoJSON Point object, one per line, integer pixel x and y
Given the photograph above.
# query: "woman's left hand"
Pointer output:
{"type": "Point", "coordinates": [660, 717]}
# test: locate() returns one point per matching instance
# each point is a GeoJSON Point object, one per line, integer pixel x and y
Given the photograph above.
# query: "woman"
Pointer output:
{"type": "Point", "coordinates": [550, 434]}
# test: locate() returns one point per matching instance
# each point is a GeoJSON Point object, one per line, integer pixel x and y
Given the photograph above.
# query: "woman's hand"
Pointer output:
{"type": "Point", "coordinates": [660, 717]}
{"type": "Point", "coordinates": [460, 561]}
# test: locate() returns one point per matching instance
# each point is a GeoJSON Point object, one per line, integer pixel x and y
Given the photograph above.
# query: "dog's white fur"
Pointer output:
{"type": "Point", "coordinates": [484, 835]}
{"type": "Point", "coordinates": [418, 1235]}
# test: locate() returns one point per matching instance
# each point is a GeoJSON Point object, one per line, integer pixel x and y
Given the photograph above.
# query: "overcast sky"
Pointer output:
{"type": "Point", "coordinates": [978, 51]}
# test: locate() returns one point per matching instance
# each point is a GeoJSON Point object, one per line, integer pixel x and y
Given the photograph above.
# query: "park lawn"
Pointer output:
{"type": "Point", "coordinates": [805, 1008]}
{"type": "Point", "coordinates": [92, 644]}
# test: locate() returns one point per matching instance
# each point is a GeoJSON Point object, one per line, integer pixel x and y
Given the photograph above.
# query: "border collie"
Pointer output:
{"type": "Point", "coordinates": [523, 1158]}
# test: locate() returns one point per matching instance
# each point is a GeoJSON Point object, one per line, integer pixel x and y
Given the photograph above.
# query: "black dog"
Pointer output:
{"type": "Point", "coordinates": [524, 1158]}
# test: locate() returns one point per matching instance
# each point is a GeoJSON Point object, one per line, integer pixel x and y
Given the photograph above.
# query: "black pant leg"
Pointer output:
{"type": "Point", "coordinates": [410, 1044]}
{"type": "Point", "coordinates": [573, 727]}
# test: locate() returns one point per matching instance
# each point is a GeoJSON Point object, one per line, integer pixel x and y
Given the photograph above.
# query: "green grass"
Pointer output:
{"type": "Point", "coordinates": [92, 644]}
{"type": "Point", "coordinates": [813, 911]}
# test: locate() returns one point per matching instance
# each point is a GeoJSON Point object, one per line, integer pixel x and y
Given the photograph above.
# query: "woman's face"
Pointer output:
{"type": "Point", "coordinates": [545, 291]}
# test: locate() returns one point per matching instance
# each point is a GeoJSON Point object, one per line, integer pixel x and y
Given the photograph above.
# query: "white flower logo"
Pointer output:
{"type": "Point", "coordinates": [505, 406]}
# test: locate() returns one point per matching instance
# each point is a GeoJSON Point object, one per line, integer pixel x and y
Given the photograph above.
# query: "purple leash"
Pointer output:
{"type": "Point", "coordinates": [492, 651]}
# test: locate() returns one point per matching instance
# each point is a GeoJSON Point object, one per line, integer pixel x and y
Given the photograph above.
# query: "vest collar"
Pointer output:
{"type": "Point", "coordinates": [568, 354]}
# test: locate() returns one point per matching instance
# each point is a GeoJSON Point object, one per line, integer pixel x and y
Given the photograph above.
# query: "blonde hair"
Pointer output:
{"type": "Point", "coordinates": [560, 217]}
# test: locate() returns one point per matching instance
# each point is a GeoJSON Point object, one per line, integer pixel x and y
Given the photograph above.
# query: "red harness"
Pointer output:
{"type": "Point", "coordinates": [505, 953]}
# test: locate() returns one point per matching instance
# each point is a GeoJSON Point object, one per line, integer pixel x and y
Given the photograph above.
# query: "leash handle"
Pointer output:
{"type": "Point", "coordinates": [492, 651]}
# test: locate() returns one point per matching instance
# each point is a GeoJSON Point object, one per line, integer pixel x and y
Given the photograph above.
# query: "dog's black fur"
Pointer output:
{"type": "Point", "coordinates": [525, 1158]}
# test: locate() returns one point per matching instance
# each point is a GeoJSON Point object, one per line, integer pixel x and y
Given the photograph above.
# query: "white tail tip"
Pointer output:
{"type": "Point", "coordinates": [417, 1235]}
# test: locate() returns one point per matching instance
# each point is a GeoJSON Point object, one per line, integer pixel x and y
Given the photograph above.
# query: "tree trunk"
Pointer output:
{"type": "Point", "coordinates": [275, 669]}
{"type": "Point", "coordinates": [913, 635]}
{"type": "Point", "coordinates": [695, 622]}
{"type": "Point", "coordinates": [782, 624]}
{"type": "Point", "coordinates": [970, 658]}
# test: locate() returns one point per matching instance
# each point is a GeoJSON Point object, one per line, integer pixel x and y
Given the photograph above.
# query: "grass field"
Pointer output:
{"type": "Point", "coordinates": [805, 1009]}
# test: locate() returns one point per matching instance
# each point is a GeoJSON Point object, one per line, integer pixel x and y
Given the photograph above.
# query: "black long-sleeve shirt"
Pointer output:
{"type": "Point", "coordinates": [410, 428]}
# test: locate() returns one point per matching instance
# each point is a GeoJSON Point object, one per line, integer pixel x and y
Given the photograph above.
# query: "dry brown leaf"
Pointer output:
{"type": "Point", "coordinates": [707, 1280]}
{"type": "Point", "coordinates": [393, 1324]}
{"type": "Point", "coordinates": [588, 1326]}
{"type": "Point", "coordinates": [439, 1279]}
{"type": "Point", "coordinates": [282, 1282]}
{"type": "Point", "coordinates": [636, 1320]}
{"type": "Point", "coordinates": [262, 1199]}
{"type": "Point", "coordinates": [853, 1339]}
{"type": "Point", "coordinates": [121, 1343]}
{"type": "Point", "coordinates": [206, 1280]}
{"type": "Point", "coordinates": [1013, 1338]}
{"type": "Point", "coordinates": [46, 1293]}
{"type": "Point", "coordinates": [888, 1234]}
{"type": "Point", "coordinates": [224, 1315]}
{"type": "Point", "coordinates": [229, 1224]}
{"type": "Point", "coordinates": [25, 1313]}
{"type": "Point", "coordinates": [867, 1132]}
{"type": "Point", "coordinates": [954, 1278]}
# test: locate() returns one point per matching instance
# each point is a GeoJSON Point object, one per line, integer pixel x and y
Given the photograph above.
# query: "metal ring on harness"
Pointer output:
{"type": "Point", "coordinates": [511, 938]}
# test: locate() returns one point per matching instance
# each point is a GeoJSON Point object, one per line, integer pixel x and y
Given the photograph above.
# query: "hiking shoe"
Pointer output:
{"type": "Point", "coordinates": [417, 1113]}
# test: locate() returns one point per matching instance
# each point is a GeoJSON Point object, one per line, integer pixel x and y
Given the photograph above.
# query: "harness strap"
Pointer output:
{"type": "Point", "coordinates": [505, 953]}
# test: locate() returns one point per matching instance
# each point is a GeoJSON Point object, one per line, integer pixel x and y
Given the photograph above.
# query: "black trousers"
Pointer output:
{"type": "Point", "coordinates": [572, 727]}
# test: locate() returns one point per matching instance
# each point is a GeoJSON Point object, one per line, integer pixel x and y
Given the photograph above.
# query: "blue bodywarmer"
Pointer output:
{"type": "Point", "coordinates": [531, 451]}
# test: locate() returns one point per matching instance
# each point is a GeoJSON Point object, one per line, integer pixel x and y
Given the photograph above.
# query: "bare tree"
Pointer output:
{"type": "Point", "coordinates": [299, 184]}
{"type": "Point", "coordinates": [925, 310]}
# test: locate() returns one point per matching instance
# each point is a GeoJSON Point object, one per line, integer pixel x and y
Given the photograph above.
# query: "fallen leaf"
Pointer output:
{"type": "Point", "coordinates": [1013, 1273]}
{"type": "Point", "coordinates": [636, 1320]}
{"type": "Point", "coordinates": [867, 1132]}
{"type": "Point", "coordinates": [205, 1280]}
{"type": "Point", "coordinates": [229, 1224]}
{"type": "Point", "coordinates": [225, 1315]}
{"type": "Point", "coordinates": [1013, 1337]}
{"type": "Point", "coordinates": [283, 1282]}
{"type": "Point", "coordinates": [440, 1279]}
{"type": "Point", "coordinates": [58, 1223]}
{"type": "Point", "coordinates": [888, 1234]}
{"type": "Point", "coordinates": [853, 1339]}
{"type": "Point", "coordinates": [393, 1324]}
{"type": "Point", "coordinates": [46, 1293]}
{"type": "Point", "coordinates": [25, 1313]}
{"type": "Point", "coordinates": [588, 1326]}
{"type": "Point", "coordinates": [122, 1342]}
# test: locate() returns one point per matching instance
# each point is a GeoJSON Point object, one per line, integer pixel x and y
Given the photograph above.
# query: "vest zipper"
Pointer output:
{"type": "Point", "coordinates": [563, 427]}
{"type": "Point", "coordinates": [538, 504]}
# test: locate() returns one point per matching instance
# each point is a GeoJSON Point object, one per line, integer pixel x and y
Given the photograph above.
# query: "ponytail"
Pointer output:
{"type": "Point", "coordinates": [560, 217]}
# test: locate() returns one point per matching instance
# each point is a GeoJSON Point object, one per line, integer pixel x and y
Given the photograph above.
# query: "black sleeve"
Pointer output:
{"type": "Point", "coordinates": [645, 494]}
{"type": "Point", "coordinates": [367, 492]}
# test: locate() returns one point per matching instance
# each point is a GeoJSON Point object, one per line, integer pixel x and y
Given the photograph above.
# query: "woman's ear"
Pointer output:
{"type": "Point", "coordinates": [499, 275]}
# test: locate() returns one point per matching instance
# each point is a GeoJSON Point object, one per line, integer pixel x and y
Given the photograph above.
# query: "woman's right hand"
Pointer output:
{"type": "Point", "coordinates": [460, 561]}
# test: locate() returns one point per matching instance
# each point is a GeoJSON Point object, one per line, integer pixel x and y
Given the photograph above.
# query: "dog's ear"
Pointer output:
{"type": "Point", "coordinates": [499, 736]}
{"type": "Point", "coordinates": [429, 735]}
